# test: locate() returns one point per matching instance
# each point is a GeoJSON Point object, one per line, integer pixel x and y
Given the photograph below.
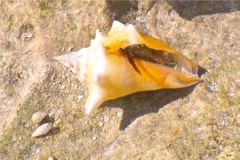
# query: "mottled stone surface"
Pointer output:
{"type": "Point", "coordinates": [199, 122]}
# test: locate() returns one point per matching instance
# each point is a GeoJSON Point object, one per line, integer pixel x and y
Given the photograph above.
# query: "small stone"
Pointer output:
{"type": "Point", "coordinates": [37, 117]}
{"type": "Point", "coordinates": [80, 97]}
{"type": "Point", "coordinates": [94, 138]}
{"type": "Point", "coordinates": [106, 118]}
{"type": "Point", "coordinates": [42, 130]}
{"type": "Point", "coordinates": [101, 124]}
{"type": "Point", "coordinates": [50, 158]}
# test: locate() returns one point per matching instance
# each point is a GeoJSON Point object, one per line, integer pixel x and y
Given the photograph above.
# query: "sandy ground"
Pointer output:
{"type": "Point", "coordinates": [198, 122]}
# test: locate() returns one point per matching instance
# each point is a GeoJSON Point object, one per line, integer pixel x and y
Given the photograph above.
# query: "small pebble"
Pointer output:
{"type": "Point", "coordinates": [50, 158]}
{"type": "Point", "coordinates": [94, 137]}
{"type": "Point", "coordinates": [37, 117]}
{"type": "Point", "coordinates": [42, 130]}
{"type": "Point", "coordinates": [80, 97]}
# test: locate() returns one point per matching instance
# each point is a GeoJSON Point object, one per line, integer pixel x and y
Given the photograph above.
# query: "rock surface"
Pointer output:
{"type": "Point", "coordinates": [199, 122]}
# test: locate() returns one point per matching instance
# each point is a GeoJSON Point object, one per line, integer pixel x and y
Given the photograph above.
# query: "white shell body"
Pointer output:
{"type": "Point", "coordinates": [89, 65]}
{"type": "Point", "coordinates": [42, 130]}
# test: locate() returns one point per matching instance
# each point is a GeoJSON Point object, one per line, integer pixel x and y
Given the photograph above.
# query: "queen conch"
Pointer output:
{"type": "Point", "coordinates": [127, 61]}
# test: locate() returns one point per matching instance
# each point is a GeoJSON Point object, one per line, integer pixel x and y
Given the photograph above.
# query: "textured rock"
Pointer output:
{"type": "Point", "coordinates": [201, 122]}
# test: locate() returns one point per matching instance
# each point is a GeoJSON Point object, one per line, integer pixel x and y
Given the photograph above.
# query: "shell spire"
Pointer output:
{"type": "Point", "coordinates": [127, 61]}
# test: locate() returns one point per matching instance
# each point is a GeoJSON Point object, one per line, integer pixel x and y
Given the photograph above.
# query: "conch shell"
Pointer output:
{"type": "Point", "coordinates": [127, 61]}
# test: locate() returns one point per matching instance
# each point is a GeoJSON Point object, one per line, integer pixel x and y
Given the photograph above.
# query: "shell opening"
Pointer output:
{"type": "Point", "coordinates": [155, 56]}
